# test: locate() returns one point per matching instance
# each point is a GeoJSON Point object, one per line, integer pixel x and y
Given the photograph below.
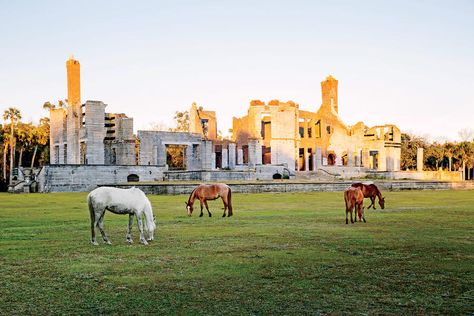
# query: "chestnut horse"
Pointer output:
{"type": "Point", "coordinates": [354, 200]}
{"type": "Point", "coordinates": [205, 192]}
{"type": "Point", "coordinates": [371, 191]}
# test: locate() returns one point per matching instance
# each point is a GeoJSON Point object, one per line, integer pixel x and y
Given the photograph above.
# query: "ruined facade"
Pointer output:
{"type": "Point", "coordinates": [85, 133]}
{"type": "Point", "coordinates": [279, 133]}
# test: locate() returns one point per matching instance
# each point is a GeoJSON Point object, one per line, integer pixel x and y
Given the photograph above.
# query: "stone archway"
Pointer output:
{"type": "Point", "coordinates": [133, 178]}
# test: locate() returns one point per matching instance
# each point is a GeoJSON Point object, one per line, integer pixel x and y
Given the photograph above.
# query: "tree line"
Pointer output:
{"type": "Point", "coordinates": [22, 144]}
{"type": "Point", "coordinates": [450, 156]}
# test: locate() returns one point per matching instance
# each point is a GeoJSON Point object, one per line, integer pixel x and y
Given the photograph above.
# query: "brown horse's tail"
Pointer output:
{"type": "Point", "coordinates": [346, 199]}
{"type": "Point", "coordinates": [229, 203]}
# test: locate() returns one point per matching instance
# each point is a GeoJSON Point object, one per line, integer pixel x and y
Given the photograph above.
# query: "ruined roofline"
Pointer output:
{"type": "Point", "coordinates": [274, 102]}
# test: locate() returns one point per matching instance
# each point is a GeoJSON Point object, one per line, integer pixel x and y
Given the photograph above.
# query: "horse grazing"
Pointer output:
{"type": "Point", "coordinates": [354, 200]}
{"type": "Point", "coordinates": [121, 201]}
{"type": "Point", "coordinates": [371, 191]}
{"type": "Point", "coordinates": [205, 192]}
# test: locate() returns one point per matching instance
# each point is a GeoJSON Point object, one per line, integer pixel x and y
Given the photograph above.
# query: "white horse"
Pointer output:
{"type": "Point", "coordinates": [121, 201]}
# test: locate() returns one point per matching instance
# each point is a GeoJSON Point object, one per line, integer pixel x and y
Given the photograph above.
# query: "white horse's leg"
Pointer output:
{"type": "Point", "coordinates": [101, 228]}
{"type": "Point", "coordinates": [140, 229]}
{"type": "Point", "coordinates": [129, 233]}
{"type": "Point", "coordinates": [97, 216]}
{"type": "Point", "coordinates": [93, 224]}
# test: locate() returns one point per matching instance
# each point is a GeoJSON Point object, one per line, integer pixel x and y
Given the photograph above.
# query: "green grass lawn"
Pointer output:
{"type": "Point", "coordinates": [286, 253]}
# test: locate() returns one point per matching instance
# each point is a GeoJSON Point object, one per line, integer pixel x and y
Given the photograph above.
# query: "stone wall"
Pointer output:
{"type": "Point", "coordinates": [291, 186]}
{"type": "Point", "coordinates": [79, 178]}
{"type": "Point", "coordinates": [153, 148]}
{"type": "Point", "coordinates": [262, 172]}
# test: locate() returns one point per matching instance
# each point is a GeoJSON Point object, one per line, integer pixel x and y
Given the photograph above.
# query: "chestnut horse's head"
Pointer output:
{"type": "Point", "coordinates": [382, 203]}
{"type": "Point", "coordinates": [189, 208]}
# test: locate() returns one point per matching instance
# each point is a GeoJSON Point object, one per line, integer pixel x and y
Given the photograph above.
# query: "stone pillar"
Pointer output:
{"type": "Point", "coordinates": [365, 158]}
{"type": "Point", "coordinates": [189, 158]}
{"type": "Point", "coordinates": [350, 159]}
{"type": "Point", "coordinates": [225, 161]}
{"type": "Point", "coordinates": [259, 153]}
{"type": "Point", "coordinates": [306, 162]}
{"type": "Point", "coordinates": [255, 151]}
{"type": "Point", "coordinates": [213, 166]}
{"type": "Point", "coordinates": [317, 159]}
{"type": "Point", "coordinates": [240, 156]}
{"type": "Point", "coordinates": [207, 160]}
{"type": "Point", "coordinates": [338, 161]}
{"type": "Point", "coordinates": [232, 156]}
{"type": "Point", "coordinates": [419, 159]}
{"type": "Point", "coordinates": [160, 151]}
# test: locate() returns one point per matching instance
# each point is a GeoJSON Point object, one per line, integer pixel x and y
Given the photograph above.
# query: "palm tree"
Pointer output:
{"type": "Point", "coordinates": [41, 136]}
{"type": "Point", "coordinates": [14, 115]}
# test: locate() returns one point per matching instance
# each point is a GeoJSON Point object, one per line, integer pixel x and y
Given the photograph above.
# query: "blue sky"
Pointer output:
{"type": "Point", "coordinates": [409, 63]}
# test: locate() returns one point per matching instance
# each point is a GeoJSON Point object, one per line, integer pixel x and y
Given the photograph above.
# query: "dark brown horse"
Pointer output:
{"type": "Point", "coordinates": [371, 191]}
{"type": "Point", "coordinates": [205, 192]}
{"type": "Point", "coordinates": [354, 201]}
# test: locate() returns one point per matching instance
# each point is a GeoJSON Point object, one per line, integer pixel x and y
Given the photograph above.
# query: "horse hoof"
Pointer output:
{"type": "Point", "coordinates": [230, 215]}
{"type": "Point", "coordinates": [223, 215]}
{"type": "Point", "coordinates": [144, 242]}
{"type": "Point", "coordinates": [107, 242]}
{"type": "Point", "coordinates": [210, 215]}
{"type": "Point", "coordinates": [130, 241]}
{"type": "Point", "coordinates": [95, 243]}
{"type": "Point", "coordinates": [201, 215]}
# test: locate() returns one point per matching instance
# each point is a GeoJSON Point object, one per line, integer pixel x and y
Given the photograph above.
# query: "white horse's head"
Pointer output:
{"type": "Point", "coordinates": [150, 226]}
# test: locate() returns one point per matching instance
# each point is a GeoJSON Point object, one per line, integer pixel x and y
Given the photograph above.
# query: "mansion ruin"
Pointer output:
{"type": "Point", "coordinates": [306, 141]}
{"type": "Point", "coordinates": [85, 133]}
{"type": "Point", "coordinates": [90, 146]}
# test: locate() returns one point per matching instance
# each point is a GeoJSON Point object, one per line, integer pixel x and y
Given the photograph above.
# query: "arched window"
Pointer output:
{"type": "Point", "coordinates": [133, 178]}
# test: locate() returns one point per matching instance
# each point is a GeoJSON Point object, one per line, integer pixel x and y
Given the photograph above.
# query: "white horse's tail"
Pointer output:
{"type": "Point", "coordinates": [92, 215]}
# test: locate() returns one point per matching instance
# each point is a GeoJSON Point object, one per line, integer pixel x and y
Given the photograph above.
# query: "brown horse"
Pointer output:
{"type": "Point", "coordinates": [371, 191]}
{"type": "Point", "coordinates": [354, 199]}
{"type": "Point", "coordinates": [205, 192]}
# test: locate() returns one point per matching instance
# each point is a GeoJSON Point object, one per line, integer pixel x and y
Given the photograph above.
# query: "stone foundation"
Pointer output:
{"type": "Point", "coordinates": [80, 178]}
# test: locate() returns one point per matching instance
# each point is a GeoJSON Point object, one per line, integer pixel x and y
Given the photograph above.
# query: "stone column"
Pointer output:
{"type": "Point", "coordinates": [350, 159]}
{"type": "Point", "coordinates": [306, 162]}
{"type": "Point", "coordinates": [213, 159]}
{"type": "Point", "coordinates": [419, 159]}
{"type": "Point", "coordinates": [240, 156]}
{"type": "Point", "coordinates": [365, 158]}
{"type": "Point", "coordinates": [338, 161]}
{"type": "Point", "coordinates": [317, 159]}
{"type": "Point", "coordinates": [190, 160]}
{"type": "Point", "coordinates": [160, 150]}
{"type": "Point", "coordinates": [255, 151]}
{"type": "Point", "coordinates": [225, 161]}
{"type": "Point", "coordinates": [232, 155]}
{"type": "Point", "coordinates": [207, 160]}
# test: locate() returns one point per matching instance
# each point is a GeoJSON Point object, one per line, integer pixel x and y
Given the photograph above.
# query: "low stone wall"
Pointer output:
{"type": "Point", "coordinates": [263, 172]}
{"type": "Point", "coordinates": [77, 178]}
{"type": "Point", "coordinates": [423, 175]}
{"type": "Point", "coordinates": [292, 186]}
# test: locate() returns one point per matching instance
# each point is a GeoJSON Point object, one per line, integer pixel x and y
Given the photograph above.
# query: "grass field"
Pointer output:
{"type": "Point", "coordinates": [280, 254]}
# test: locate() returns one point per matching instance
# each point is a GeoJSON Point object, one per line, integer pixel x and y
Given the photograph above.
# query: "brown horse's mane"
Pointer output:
{"type": "Point", "coordinates": [377, 191]}
{"type": "Point", "coordinates": [191, 196]}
